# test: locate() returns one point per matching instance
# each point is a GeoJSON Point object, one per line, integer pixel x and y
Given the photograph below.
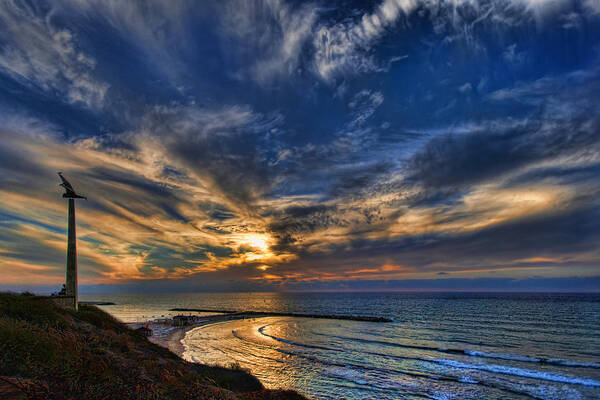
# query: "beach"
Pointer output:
{"type": "Point", "coordinates": [468, 345]}
{"type": "Point", "coordinates": [165, 334]}
{"type": "Point", "coordinates": [170, 337]}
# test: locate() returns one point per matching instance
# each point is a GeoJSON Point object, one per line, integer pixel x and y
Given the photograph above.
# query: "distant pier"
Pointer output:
{"type": "Point", "coordinates": [252, 314]}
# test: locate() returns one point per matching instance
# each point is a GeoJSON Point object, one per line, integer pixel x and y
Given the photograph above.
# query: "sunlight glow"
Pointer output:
{"type": "Point", "coordinates": [257, 241]}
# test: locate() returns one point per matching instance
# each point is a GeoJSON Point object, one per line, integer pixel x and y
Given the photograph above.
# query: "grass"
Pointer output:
{"type": "Point", "coordinates": [48, 352]}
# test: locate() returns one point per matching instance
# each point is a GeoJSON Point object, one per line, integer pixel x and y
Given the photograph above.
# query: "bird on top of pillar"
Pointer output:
{"type": "Point", "coordinates": [69, 191]}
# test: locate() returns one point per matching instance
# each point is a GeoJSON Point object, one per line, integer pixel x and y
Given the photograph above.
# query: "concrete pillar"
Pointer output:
{"type": "Point", "coordinates": [71, 284]}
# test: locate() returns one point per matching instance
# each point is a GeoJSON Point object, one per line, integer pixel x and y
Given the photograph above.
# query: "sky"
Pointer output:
{"type": "Point", "coordinates": [286, 145]}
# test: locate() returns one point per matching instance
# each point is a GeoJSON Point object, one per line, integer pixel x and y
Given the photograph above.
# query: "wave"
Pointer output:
{"type": "Point", "coordinates": [348, 371]}
{"type": "Point", "coordinates": [356, 367]}
{"type": "Point", "coordinates": [361, 377]}
{"type": "Point", "coordinates": [394, 344]}
{"type": "Point", "coordinates": [477, 353]}
{"type": "Point", "coordinates": [527, 373]}
{"type": "Point", "coordinates": [516, 357]}
{"type": "Point", "coordinates": [383, 375]}
{"type": "Point", "coordinates": [261, 331]}
{"type": "Point", "coordinates": [502, 356]}
{"type": "Point", "coordinates": [567, 363]}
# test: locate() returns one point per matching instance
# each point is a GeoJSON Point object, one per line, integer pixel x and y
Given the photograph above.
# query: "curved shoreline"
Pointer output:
{"type": "Point", "coordinates": [171, 337]}
{"type": "Point", "coordinates": [174, 340]}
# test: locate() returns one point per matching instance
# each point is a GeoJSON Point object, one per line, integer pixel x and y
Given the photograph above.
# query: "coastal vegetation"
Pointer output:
{"type": "Point", "coordinates": [49, 352]}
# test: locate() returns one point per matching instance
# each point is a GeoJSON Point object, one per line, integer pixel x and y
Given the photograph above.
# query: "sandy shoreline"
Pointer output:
{"type": "Point", "coordinates": [171, 337]}
{"type": "Point", "coordinates": [174, 339]}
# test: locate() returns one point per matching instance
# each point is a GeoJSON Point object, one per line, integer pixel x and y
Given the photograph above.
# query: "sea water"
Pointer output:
{"type": "Point", "coordinates": [439, 345]}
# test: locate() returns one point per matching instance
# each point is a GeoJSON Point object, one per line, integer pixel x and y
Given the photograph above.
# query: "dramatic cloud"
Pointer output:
{"type": "Point", "coordinates": [39, 54]}
{"type": "Point", "coordinates": [273, 30]}
{"type": "Point", "coordinates": [343, 46]}
{"type": "Point", "coordinates": [278, 145]}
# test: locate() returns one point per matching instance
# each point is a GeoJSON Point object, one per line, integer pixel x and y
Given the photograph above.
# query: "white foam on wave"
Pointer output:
{"type": "Point", "coordinates": [441, 396]}
{"type": "Point", "coordinates": [562, 392]}
{"type": "Point", "coordinates": [527, 373]}
{"type": "Point", "coordinates": [466, 379]}
{"type": "Point", "coordinates": [363, 378]}
{"type": "Point", "coordinates": [476, 353]}
{"type": "Point", "coordinates": [349, 375]}
{"type": "Point", "coordinates": [517, 357]}
{"type": "Point", "coordinates": [502, 356]}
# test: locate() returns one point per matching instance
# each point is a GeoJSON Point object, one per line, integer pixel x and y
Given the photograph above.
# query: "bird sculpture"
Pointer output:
{"type": "Point", "coordinates": [69, 191]}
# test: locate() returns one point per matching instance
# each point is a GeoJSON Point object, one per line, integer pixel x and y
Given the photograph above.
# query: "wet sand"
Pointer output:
{"type": "Point", "coordinates": [171, 337]}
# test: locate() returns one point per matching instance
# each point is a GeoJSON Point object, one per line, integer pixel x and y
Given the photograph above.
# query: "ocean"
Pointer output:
{"type": "Point", "coordinates": [439, 345]}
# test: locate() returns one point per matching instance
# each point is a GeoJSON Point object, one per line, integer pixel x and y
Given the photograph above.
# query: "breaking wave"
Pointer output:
{"type": "Point", "coordinates": [527, 373]}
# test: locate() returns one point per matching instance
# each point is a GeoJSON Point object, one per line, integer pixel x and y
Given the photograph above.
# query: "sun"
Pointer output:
{"type": "Point", "coordinates": [259, 242]}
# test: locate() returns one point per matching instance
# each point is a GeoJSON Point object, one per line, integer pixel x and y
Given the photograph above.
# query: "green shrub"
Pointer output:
{"type": "Point", "coordinates": [88, 354]}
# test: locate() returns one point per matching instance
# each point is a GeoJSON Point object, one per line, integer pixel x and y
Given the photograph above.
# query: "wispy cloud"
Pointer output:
{"type": "Point", "coordinates": [275, 30]}
{"type": "Point", "coordinates": [344, 46]}
{"type": "Point", "coordinates": [273, 143]}
{"type": "Point", "coordinates": [37, 53]}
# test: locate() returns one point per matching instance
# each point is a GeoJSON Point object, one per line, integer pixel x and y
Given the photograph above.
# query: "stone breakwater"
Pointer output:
{"type": "Point", "coordinates": [280, 314]}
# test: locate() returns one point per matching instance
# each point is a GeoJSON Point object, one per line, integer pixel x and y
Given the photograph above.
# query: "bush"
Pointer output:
{"type": "Point", "coordinates": [87, 354]}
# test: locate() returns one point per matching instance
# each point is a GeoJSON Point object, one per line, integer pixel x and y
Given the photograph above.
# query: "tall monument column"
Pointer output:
{"type": "Point", "coordinates": [71, 284]}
